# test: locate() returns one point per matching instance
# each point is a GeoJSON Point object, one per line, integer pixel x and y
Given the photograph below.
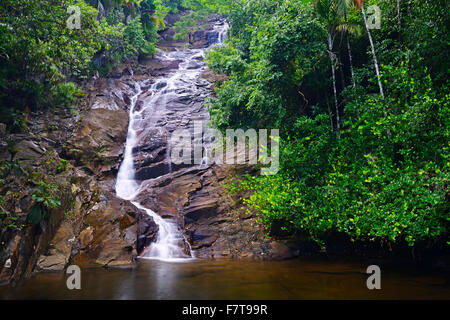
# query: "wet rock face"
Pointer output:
{"type": "Point", "coordinates": [212, 37]}
{"type": "Point", "coordinates": [28, 150]}
{"type": "Point", "coordinates": [59, 252]}
{"type": "Point", "coordinates": [100, 138]}
{"type": "Point", "coordinates": [147, 231]}
{"type": "Point", "coordinates": [22, 248]}
{"type": "Point", "coordinates": [98, 142]}
{"type": "Point", "coordinates": [91, 227]}
{"type": "Point", "coordinates": [100, 232]}
{"type": "Point", "coordinates": [108, 234]}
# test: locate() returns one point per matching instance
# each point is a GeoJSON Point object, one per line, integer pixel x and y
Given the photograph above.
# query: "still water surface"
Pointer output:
{"type": "Point", "coordinates": [295, 279]}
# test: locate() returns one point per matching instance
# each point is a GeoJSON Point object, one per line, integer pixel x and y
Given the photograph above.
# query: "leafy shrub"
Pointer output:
{"type": "Point", "coordinates": [10, 167]}
{"type": "Point", "coordinates": [365, 184]}
{"type": "Point", "coordinates": [134, 35]}
{"type": "Point", "coordinates": [38, 52]}
{"type": "Point", "coordinates": [115, 16]}
{"type": "Point", "coordinates": [44, 196]}
{"type": "Point", "coordinates": [14, 119]}
{"type": "Point", "coordinates": [66, 93]}
{"type": "Point", "coordinates": [384, 175]}
{"type": "Point", "coordinates": [63, 166]}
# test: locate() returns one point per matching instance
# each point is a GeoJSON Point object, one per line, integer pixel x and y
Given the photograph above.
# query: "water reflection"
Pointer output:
{"type": "Point", "coordinates": [235, 280]}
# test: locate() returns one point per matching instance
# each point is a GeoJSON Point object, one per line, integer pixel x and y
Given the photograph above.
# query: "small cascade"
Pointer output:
{"type": "Point", "coordinates": [170, 243]}
{"type": "Point", "coordinates": [223, 32]}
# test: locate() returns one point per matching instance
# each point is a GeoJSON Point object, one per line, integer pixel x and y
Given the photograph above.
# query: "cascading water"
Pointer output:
{"type": "Point", "coordinates": [170, 244]}
{"type": "Point", "coordinates": [126, 186]}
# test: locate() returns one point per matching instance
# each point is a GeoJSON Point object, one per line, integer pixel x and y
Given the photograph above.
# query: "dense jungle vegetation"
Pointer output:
{"type": "Point", "coordinates": [41, 58]}
{"type": "Point", "coordinates": [362, 109]}
{"type": "Point", "coordinates": [362, 104]}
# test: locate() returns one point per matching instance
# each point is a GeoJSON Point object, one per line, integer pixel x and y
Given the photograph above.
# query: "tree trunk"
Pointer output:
{"type": "Point", "coordinates": [375, 62]}
{"type": "Point", "coordinates": [333, 71]}
{"type": "Point", "coordinates": [350, 54]}
{"type": "Point", "coordinates": [351, 60]}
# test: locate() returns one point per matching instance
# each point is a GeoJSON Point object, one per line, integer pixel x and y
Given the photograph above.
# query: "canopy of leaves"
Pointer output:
{"type": "Point", "coordinates": [385, 174]}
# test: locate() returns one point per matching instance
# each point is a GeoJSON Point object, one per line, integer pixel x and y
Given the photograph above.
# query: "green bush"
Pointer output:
{"type": "Point", "coordinates": [384, 175]}
{"type": "Point", "coordinates": [115, 16]}
{"type": "Point", "coordinates": [38, 52]}
{"type": "Point", "coordinates": [66, 93]}
{"type": "Point", "coordinates": [365, 184]}
{"type": "Point", "coordinates": [44, 196]}
{"type": "Point", "coordinates": [134, 35]}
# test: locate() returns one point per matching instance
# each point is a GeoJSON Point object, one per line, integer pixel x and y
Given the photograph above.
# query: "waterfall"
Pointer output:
{"type": "Point", "coordinates": [126, 186]}
{"type": "Point", "coordinates": [170, 244]}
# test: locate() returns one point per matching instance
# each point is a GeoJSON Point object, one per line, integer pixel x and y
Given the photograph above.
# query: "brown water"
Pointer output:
{"type": "Point", "coordinates": [293, 279]}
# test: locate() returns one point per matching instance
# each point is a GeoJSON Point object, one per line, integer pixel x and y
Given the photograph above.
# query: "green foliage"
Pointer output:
{"type": "Point", "coordinates": [11, 222]}
{"type": "Point", "coordinates": [37, 213]}
{"type": "Point", "coordinates": [364, 184]}
{"type": "Point", "coordinates": [6, 218]}
{"type": "Point", "coordinates": [44, 196]}
{"type": "Point", "coordinates": [152, 15]}
{"type": "Point", "coordinates": [14, 119]}
{"type": "Point", "coordinates": [66, 93]}
{"type": "Point", "coordinates": [52, 127]}
{"type": "Point", "coordinates": [10, 167]}
{"type": "Point", "coordinates": [385, 175]}
{"type": "Point", "coordinates": [114, 47]}
{"type": "Point", "coordinates": [115, 16]}
{"type": "Point", "coordinates": [63, 166]}
{"type": "Point", "coordinates": [38, 53]}
{"type": "Point", "coordinates": [134, 35]}
{"type": "Point", "coordinates": [267, 62]}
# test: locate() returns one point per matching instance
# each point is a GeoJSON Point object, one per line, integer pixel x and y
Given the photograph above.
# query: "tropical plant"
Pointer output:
{"type": "Point", "coordinates": [44, 197]}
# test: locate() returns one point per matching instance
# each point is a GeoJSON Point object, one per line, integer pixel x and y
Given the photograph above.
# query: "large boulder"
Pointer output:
{"type": "Point", "coordinates": [101, 137]}
{"type": "Point", "coordinates": [146, 232]}
{"type": "Point", "coordinates": [28, 150]}
{"type": "Point", "coordinates": [109, 234]}
{"type": "Point", "coordinates": [60, 249]}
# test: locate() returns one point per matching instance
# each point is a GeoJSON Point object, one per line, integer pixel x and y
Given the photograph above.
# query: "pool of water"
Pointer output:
{"type": "Point", "coordinates": [294, 279]}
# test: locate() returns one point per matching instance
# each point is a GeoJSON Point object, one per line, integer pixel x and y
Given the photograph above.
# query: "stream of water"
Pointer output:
{"type": "Point", "coordinates": [170, 244]}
